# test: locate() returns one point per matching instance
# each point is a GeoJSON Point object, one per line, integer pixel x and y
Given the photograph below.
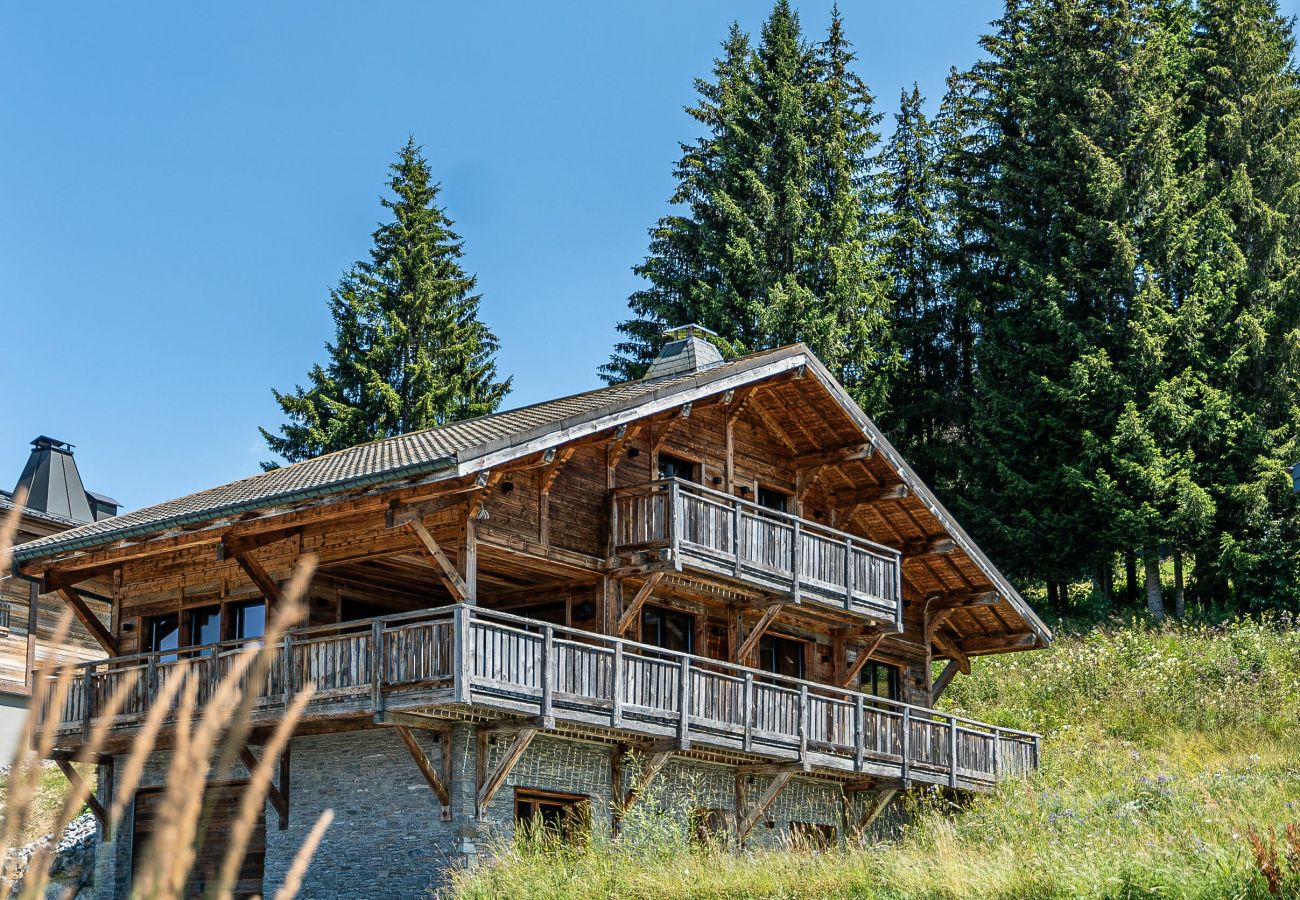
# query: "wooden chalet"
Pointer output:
{"type": "Point", "coordinates": [725, 567]}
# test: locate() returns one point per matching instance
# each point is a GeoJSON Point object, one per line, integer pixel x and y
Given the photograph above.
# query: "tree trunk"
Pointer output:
{"type": "Point", "coordinates": [1130, 576]}
{"type": "Point", "coordinates": [1178, 583]}
{"type": "Point", "coordinates": [1155, 591]}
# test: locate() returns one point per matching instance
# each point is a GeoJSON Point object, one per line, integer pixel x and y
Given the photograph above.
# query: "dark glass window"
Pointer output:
{"type": "Point", "coordinates": [781, 656]}
{"type": "Point", "coordinates": [567, 815]}
{"type": "Point", "coordinates": [812, 835]}
{"type": "Point", "coordinates": [676, 467]}
{"type": "Point", "coordinates": [163, 633]}
{"type": "Point", "coordinates": [248, 620]}
{"type": "Point", "coordinates": [881, 680]}
{"type": "Point", "coordinates": [204, 626]}
{"type": "Point", "coordinates": [668, 628]}
{"type": "Point", "coordinates": [773, 499]}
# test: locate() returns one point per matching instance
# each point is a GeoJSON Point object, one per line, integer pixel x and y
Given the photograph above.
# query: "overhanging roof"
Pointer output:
{"type": "Point", "coordinates": [465, 447]}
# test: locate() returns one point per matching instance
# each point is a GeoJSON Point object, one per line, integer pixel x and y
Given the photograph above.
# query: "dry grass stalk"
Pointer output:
{"type": "Point", "coordinates": [167, 863]}
{"type": "Point", "coordinates": [1266, 860]}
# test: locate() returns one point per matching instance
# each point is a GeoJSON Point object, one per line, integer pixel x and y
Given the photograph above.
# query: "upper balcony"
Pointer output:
{"type": "Point", "coordinates": [463, 661]}
{"type": "Point", "coordinates": [716, 533]}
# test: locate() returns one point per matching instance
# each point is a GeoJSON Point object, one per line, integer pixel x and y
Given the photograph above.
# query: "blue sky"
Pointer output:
{"type": "Point", "coordinates": [181, 184]}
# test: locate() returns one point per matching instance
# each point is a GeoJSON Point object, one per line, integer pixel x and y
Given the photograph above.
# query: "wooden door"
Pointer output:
{"type": "Point", "coordinates": [207, 863]}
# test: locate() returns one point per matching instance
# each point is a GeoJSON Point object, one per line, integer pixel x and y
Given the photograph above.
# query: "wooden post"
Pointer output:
{"type": "Point", "coordinates": [735, 538]}
{"type": "Point", "coordinates": [748, 711]}
{"type": "Point", "coordinates": [548, 672]}
{"type": "Point", "coordinates": [952, 752]}
{"type": "Point", "coordinates": [684, 701]}
{"type": "Point", "coordinates": [88, 700]}
{"type": "Point", "coordinates": [616, 690]}
{"type": "Point", "coordinates": [848, 573]}
{"type": "Point", "coordinates": [675, 522]}
{"type": "Point", "coordinates": [859, 714]}
{"type": "Point", "coordinates": [997, 753]}
{"type": "Point", "coordinates": [907, 746]}
{"type": "Point", "coordinates": [471, 555]}
{"type": "Point", "coordinates": [462, 654]}
{"type": "Point", "coordinates": [803, 723]}
{"type": "Point", "coordinates": [377, 667]}
{"type": "Point", "coordinates": [795, 561]}
{"type": "Point", "coordinates": [286, 669]}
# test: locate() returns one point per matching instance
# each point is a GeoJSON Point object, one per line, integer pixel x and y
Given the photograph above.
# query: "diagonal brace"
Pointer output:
{"type": "Point", "coordinates": [426, 768]}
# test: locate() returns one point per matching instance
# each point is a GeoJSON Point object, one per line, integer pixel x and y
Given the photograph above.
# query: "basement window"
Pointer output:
{"type": "Point", "coordinates": [881, 680]}
{"type": "Point", "coordinates": [541, 814]}
{"type": "Point", "coordinates": [812, 836]}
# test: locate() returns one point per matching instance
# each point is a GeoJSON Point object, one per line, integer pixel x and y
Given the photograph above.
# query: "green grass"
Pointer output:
{"type": "Point", "coordinates": [1163, 750]}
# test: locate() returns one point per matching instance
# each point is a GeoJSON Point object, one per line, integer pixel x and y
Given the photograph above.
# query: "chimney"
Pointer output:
{"type": "Point", "coordinates": [54, 486]}
{"type": "Point", "coordinates": [688, 351]}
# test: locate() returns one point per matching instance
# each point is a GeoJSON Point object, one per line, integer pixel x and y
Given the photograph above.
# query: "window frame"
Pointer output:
{"type": "Point", "coordinates": [696, 467]}
{"type": "Point", "coordinates": [770, 640]}
{"type": "Point", "coordinates": [576, 812]}
{"type": "Point", "coordinates": [691, 620]}
{"type": "Point", "coordinates": [893, 675]}
{"type": "Point", "coordinates": [787, 498]}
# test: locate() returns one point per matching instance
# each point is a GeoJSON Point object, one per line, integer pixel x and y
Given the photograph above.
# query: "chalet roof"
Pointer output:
{"type": "Point", "coordinates": [473, 445]}
{"type": "Point", "coordinates": [7, 503]}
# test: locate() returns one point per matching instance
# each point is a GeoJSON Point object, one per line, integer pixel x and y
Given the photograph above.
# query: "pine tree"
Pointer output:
{"type": "Point", "coordinates": [409, 351]}
{"type": "Point", "coordinates": [772, 242]}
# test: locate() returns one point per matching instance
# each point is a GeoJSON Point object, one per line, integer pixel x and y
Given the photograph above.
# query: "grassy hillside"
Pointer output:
{"type": "Point", "coordinates": [1164, 752]}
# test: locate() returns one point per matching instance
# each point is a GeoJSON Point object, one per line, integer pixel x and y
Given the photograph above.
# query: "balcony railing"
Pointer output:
{"type": "Point", "coordinates": [463, 655]}
{"type": "Point", "coordinates": [720, 533]}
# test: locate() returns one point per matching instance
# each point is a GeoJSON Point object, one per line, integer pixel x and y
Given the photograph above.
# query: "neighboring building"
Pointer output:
{"type": "Point", "coordinates": [724, 567]}
{"type": "Point", "coordinates": [56, 501]}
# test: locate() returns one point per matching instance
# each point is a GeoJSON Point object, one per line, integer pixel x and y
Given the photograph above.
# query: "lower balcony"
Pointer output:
{"type": "Point", "coordinates": [463, 661]}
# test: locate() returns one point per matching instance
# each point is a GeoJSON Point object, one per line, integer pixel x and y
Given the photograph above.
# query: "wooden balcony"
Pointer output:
{"type": "Point", "coordinates": [461, 660]}
{"type": "Point", "coordinates": [717, 533]}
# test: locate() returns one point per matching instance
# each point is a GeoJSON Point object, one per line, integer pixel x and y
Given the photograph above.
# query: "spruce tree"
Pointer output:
{"type": "Point", "coordinates": [410, 351]}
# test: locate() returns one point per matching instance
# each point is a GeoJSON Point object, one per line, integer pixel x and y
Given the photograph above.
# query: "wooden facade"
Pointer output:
{"type": "Point", "coordinates": [732, 565]}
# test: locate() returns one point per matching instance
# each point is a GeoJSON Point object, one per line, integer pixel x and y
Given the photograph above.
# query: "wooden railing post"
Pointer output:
{"type": "Point", "coordinates": [952, 752]}
{"type": "Point", "coordinates": [151, 682]}
{"type": "Point", "coordinates": [803, 722]}
{"type": "Point", "coordinates": [848, 573]}
{"type": "Point", "coordinates": [286, 670]}
{"type": "Point", "coordinates": [795, 541]}
{"type": "Point", "coordinates": [548, 671]}
{"type": "Point", "coordinates": [684, 704]}
{"type": "Point", "coordinates": [747, 710]}
{"type": "Point", "coordinates": [906, 740]}
{"type": "Point", "coordinates": [859, 727]}
{"type": "Point", "coordinates": [462, 654]}
{"type": "Point", "coordinates": [377, 666]}
{"type": "Point", "coordinates": [616, 689]}
{"type": "Point", "coordinates": [997, 753]}
{"type": "Point", "coordinates": [87, 700]}
{"type": "Point", "coordinates": [735, 537]}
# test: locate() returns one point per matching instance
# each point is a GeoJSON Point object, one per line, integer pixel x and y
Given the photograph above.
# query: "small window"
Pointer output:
{"type": "Point", "coordinates": [203, 626]}
{"type": "Point", "coordinates": [248, 620]}
{"type": "Point", "coordinates": [4, 618]}
{"type": "Point", "coordinates": [709, 827]}
{"type": "Point", "coordinates": [676, 467]}
{"type": "Point", "coordinates": [781, 656]}
{"type": "Point", "coordinates": [881, 680]}
{"type": "Point", "coordinates": [773, 499]}
{"type": "Point", "coordinates": [668, 628]}
{"type": "Point", "coordinates": [567, 816]}
{"type": "Point", "coordinates": [812, 836]}
{"type": "Point", "coordinates": [162, 634]}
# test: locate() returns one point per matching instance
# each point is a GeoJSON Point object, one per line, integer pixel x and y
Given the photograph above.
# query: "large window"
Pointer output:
{"type": "Point", "coordinates": [248, 620]}
{"type": "Point", "coordinates": [781, 656]}
{"type": "Point", "coordinates": [881, 680]}
{"type": "Point", "coordinates": [668, 628]}
{"type": "Point", "coordinates": [162, 634]}
{"type": "Point", "coordinates": [565, 815]}
{"type": "Point", "coordinates": [203, 626]}
{"type": "Point", "coordinates": [676, 467]}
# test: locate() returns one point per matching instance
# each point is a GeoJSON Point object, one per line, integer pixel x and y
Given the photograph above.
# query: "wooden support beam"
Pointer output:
{"type": "Point", "coordinates": [951, 649]}
{"type": "Point", "coordinates": [964, 601]}
{"type": "Point", "coordinates": [554, 467]}
{"type": "Point", "coordinates": [932, 546]}
{"type": "Point", "coordinates": [267, 585]}
{"type": "Point", "coordinates": [944, 679]}
{"type": "Point", "coordinates": [233, 544]}
{"type": "Point", "coordinates": [877, 806]}
{"type": "Point", "coordinates": [79, 785]}
{"type": "Point", "coordinates": [869, 494]}
{"type": "Point", "coordinates": [488, 789]}
{"type": "Point", "coordinates": [774, 428]}
{"type": "Point", "coordinates": [864, 655]}
{"type": "Point", "coordinates": [278, 795]}
{"type": "Point", "coordinates": [935, 620]}
{"type": "Point", "coordinates": [650, 769]}
{"type": "Point", "coordinates": [835, 455]}
{"type": "Point", "coordinates": [445, 571]}
{"type": "Point", "coordinates": [751, 816]}
{"type": "Point", "coordinates": [426, 769]}
{"type": "Point", "coordinates": [994, 643]}
{"type": "Point", "coordinates": [91, 621]}
{"type": "Point", "coordinates": [751, 640]}
{"type": "Point", "coordinates": [412, 512]}
{"type": "Point", "coordinates": [634, 608]}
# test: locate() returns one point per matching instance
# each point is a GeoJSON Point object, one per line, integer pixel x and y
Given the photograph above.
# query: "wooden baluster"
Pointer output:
{"type": "Point", "coordinates": [747, 710]}
{"type": "Point", "coordinates": [616, 693]}
{"type": "Point", "coordinates": [548, 670]}
{"type": "Point", "coordinates": [952, 752]}
{"type": "Point", "coordinates": [463, 655]}
{"type": "Point", "coordinates": [151, 682]}
{"type": "Point", "coordinates": [286, 670]}
{"type": "Point", "coordinates": [684, 703]}
{"type": "Point", "coordinates": [859, 713]}
{"type": "Point", "coordinates": [795, 562]}
{"type": "Point", "coordinates": [803, 722]}
{"type": "Point", "coordinates": [907, 746]}
{"type": "Point", "coordinates": [848, 573]}
{"type": "Point", "coordinates": [735, 538]}
{"type": "Point", "coordinates": [997, 752]}
{"type": "Point", "coordinates": [87, 701]}
{"type": "Point", "coordinates": [675, 522]}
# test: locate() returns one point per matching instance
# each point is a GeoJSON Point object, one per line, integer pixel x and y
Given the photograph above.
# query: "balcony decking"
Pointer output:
{"type": "Point", "coordinates": [717, 533]}
{"type": "Point", "coordinates": [461, 661]}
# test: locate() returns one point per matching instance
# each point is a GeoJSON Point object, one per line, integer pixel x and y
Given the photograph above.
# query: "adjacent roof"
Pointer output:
{"type": "Point", "coordinates": [465, 447]}
{"type": "Point", "coordinates": [7, 503]}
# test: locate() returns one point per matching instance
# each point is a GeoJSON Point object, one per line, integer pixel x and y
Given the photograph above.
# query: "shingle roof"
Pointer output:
{"type": "Point", "coordinates": [7, 503]}
{"type": "Point", "coordinates": [389, 459]}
